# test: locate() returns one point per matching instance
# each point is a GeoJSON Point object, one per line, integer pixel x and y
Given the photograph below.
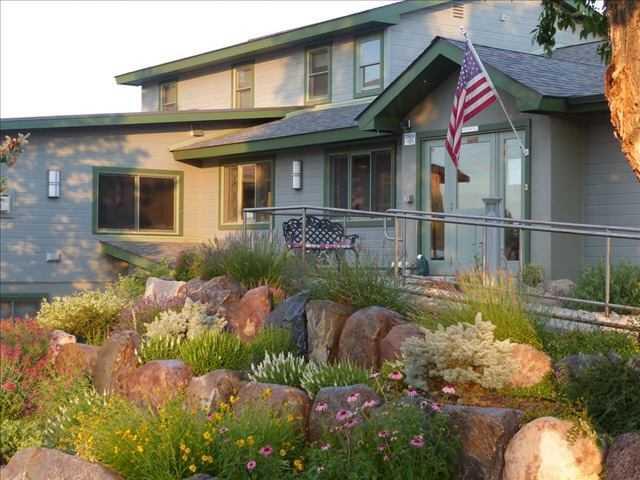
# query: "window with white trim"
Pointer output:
{"type": "Point", "coordinates": [369, 64]}
{"type": "Point", "coordinates": [318, 74]}
{"type": "Point", "coordinates": [243, 86]}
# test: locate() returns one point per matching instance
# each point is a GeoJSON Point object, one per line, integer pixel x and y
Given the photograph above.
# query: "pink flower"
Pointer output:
{"type": "Point", "coordinates": [353, 398]}
{"type": "Point", "coordinates": [343, 415]}
{"type": "Point", "coordinates": [352, 422]}
{"type": "Point", "coordinates": [383, 434]}
{"type": "Point", "coordinates": [9, 387]}
{"type": "Point", "coordinates": [381, 447]}
{"type": "Point", "coordinates": [417, 441]}
{"type": "Point", "coordinates": [223, 430]}
{"type": "Point", "coordinates": [370, 404]}
{"type": "Point", "coordinates": [374, 375]}
{"type": "Point", "coordinates": [266, 451]}
{"type": "Point", "coordinates": [322, 407]}
{"type": "Point", "coordinates": [395, 375]}
{"type": "Point", "coordinates": [435, 407]}
{"type": "Point", "coordinates": [412, 392]}
{"type": "Point", "coordinates": [251, 465]}
{"type": "Point", "coordinates": [449, 390]}
{"type": "Point", "coordinates": [325, 447]}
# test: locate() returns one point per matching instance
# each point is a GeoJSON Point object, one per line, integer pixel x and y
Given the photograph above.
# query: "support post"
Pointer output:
{"type": "Point", "coordinates": [271, 221]}
{"type": "Point", "coordinates": [607, 282]}
{"type": "Point", "coordinates": [396, 263]}
{"type": "Point", "coordinates": [492, 243]}
{"type": "Point", "coordinates": [244, 226]}
{"type": "Point", "coordinates": [404, 252]}
{"type": "Point", "coordinates": [304, 234]}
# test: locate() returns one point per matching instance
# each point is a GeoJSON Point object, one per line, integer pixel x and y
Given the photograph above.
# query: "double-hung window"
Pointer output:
{"type": "Point", "coordinates": [246, 185]}
{"type": "Point", "coordinates": [169, 97]}
{"type": "Point", "coordinates": [362, 180]}
{"type": "Point", "coordinates": [369, 65]}
{"type": "Point", "coordinates": [318, 74]}
{"type": "Point", "coordinates": [137, 201]}
{"type": "Point", "coordinates": [243, 86]}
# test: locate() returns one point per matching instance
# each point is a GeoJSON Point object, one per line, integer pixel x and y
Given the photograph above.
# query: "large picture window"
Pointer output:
{"type": "Point", "coordinates": [137, 202]}
{"type": "Point", "coordinates": [369, 65]}
{"type": "Point", "coordinates": [243, 86]}
{"type": "Point", "coordinates": [246, 185]}
{"type": "Point", "coordinates": [318, 74]}
{"type": "Point", "coordinates": [362, 180]}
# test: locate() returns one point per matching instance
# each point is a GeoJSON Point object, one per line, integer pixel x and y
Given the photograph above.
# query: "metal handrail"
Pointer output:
{"type": "Point", "coordinates": [607, 232]}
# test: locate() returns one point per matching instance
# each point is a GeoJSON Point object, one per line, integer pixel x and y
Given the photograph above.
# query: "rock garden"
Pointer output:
{"type": "Point", "coordinates": [244, 362]}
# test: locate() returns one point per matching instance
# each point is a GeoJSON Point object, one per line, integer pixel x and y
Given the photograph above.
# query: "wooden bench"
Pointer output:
{"type": "Point", "coordinates": [322, 236]}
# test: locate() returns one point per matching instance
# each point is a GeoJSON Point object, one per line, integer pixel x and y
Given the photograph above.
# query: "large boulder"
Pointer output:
{"type": "Point", "coordinates": [331, 400]}
{"type": "Point", "coordinates": [325, 321]}
{"type": "Point", "coordinates": [48, 464]}
{"type": "Point", "coordinates": [58, 338]}
{"type": "Point", "coordinates": [156, 382]}
{"type": "Point", "coordinates": [208, 391]}
{"type": "Point", "coordinates": [547, 449]}
{"type": "Point", "coordinates": [530, 366]}
{"type": "Point", "coordinates": [280, 400]}
{"type": "Point", "coordinates": [76, 359]}
{"type": "Point", "coordinates": [290, 315]}
{"type": "Point", "coordinates": [623, 458]}
{"type": "Point", "coordinates": [362, 333]}
{"type": "Point", "coordinates": [160, 289]}
{"type": "Point", "coordinates": [217, 293]}
{"type": "Point", "coordinates": [247, 317]}
{"type": "Point", "coordinates": [116, 359]}
{"type": "Point", "coordinates": [573, 366]}
{"type": "Point", "coordinates": [485, 433]}
{"type": "Point", "coordinates": [390, 345]}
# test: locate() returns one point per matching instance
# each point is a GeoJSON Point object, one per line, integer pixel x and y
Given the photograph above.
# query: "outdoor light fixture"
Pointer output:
{"type": "Point", "coordinates": [296, 175]}
{"type": "Point", "coordinates": [53, 183]}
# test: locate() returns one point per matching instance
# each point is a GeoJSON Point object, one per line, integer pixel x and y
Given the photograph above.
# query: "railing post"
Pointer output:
{"type": "Point", "coordinates": [244, 226]}
{"type": "Point", "coordinates": [607, 282]}
{"type": "Point", "coordinates": [404, 252]}
{"type": "Point", "coordinates": [271, 221]}
{"type": "Point", "coordinates": [492, 234]}
{"type": "Point", "coordinates": [396, 264]}
{"type": "Point", "coordinates": [304, 233]}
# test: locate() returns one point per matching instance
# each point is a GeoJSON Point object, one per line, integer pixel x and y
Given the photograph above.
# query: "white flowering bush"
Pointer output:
{"type": "Point", "coordinates": [461, 353]}
{"type": "Point", "coordinates": [89, 315]}
{"type": "Point", "coordinates": [283, 369]}
{"type": "Point", "coordinates": [188, 323]}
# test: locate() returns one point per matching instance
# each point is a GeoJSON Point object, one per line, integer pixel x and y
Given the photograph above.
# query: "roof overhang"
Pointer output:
{"type": "Point", "coordinates": [369, 20]}
{"type": "Point", "coordinates": [273, 144]}
{"type": "Point", "coordinates": [145, 118]}
{"type": "Point", "coordinates": [434, 65]}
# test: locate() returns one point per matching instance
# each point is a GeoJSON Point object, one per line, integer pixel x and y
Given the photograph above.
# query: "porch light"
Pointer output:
{"type": "Point", "coordinates": [296, 175]}
{"type": "Point", "coordinates": [53, 183]}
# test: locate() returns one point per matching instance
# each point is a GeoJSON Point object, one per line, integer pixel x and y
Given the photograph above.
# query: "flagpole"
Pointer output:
{"type": "Point", "coordinates": [523, 149]}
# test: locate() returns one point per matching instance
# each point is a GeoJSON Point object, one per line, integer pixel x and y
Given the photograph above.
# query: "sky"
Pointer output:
{"type": "Point", "coordinates": [60, 57]}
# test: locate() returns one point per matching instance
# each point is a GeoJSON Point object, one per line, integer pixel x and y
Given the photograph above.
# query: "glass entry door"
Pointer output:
{"type": "Point", "coordinates": [488, 167]}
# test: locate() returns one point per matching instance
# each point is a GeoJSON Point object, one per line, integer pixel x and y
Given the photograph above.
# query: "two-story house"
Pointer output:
{"type": "Point", "coordinates": [220, 132]}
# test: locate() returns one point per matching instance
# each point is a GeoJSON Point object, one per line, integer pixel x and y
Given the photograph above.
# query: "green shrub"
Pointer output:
{"type": "Point", "coordinates": [460, 353]}
{"type": "Point", "coordinates": [559, 344]}
{"type": "Point", "coordinates": [204, 262]}
{"type": "Point", "coordinates": [532, 275]}
{"type": "Point", "coordinates": [89, 315]}
{"type": "Point", "coordinates": [189, 322]}
{"type": "Point", "coordinates": [169, 444]}
{"type": "Point", "coordinates": [17, 434]}
{"type": "Point", "coordinates": [213, 350]}
{"type": "Point", "coordinates": [282, 369]}
{"type": "Point", "coordinates": [273, 340]}
{"type": "Point", "coordinates": [400, 442]}
{"type": "Point", "coordinates": [499, 304]}
{"type": "Point", "coordinates": [133, 285]}
{"type": "Point", "coordinates": [160, 348]}
{"type": "Point", "coordinates": [609, 392]}
{"type": "Point", "coordinates": [359, 285]}
{"type": "Point", "coordinates": [318, 376]}
{"type": "Point", "coordinates": [625, 285]}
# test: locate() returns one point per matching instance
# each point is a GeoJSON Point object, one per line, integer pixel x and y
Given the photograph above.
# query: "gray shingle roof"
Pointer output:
{"type": "Point", "coordinates": [547, 76]}
{"type": "Point", "coordinates": [581, 53]}
{"type": "Point", "coordinates": [308, 121]}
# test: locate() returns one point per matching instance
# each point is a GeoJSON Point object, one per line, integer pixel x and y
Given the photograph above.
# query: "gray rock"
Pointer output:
{"type": "Point", "coordinates": [325, 321]}
{"type": "Point", "coordinates": [623, 458]}
{"type": "Point", "coordinates": [573, 366]}
{"type": "Point", "coordinates": [485, 434]}
{"type": "Point", "coordinates": [561, 288]}
{"type": "Point", "coordinates": [207, 391]}
{"type": "Point", "coordinates": [48, 464]}
{"type": "Point", "coordinates": [290, 314]}
{"type": "Point", "coordinates": [217, 294]}
{"type": "Point", "coordinates": [162, 289]}
{"type": "Point", "coordinates": [116, 359]}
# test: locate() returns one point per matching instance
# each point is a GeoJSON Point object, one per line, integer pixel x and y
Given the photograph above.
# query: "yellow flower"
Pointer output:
{"type": "Point", "coordinates": [240, 443]}
{"type": "Point", "coordinates": [290, 418]}
{"type": "Point", "coordinates": [192, 467]}
{"type": "Point", "coordinates": [184, 458]}
{"type": "Point", "coordinates": [207, 458]}
{"type": "Point", "coordinates": [187, 450]}
{"type": "Point", "coordinates": [298, 464]}
{"type": "Point", "coordinates": [140, 448]}
{"type": "Point", "coordinates": [182, 447]}
{"type": "Point", "coordinates": [267, 393]}
{"type": "Point", "coordinates": [283, 452]}
{"type": "Point", "coordinates": [207, 435]}
{"type": "Point", "coordinates": [233, 399]}
{"type": "Point", "coordinates": [250, 440]}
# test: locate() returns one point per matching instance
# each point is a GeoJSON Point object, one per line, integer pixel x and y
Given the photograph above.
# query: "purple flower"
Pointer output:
{"type": "Point", "coordinates": [343, 415]}
{"type": "Point", "coordinates": [383, 434]}
{"type": "Point", "coordinates": [370, 404]}
{"type": "Point", "coordinates": [251, 465]}
{"type": "Point", "coordinates": [353, 398]}
{"type": "Point", "coordinates": [412, 392]}
{"type": "Point", "coordinates": [266, 451]}
{"type": "Point", "coordinates": [325, 447]}
{"type": "Point", "coordinates": [322, 407]}
{"type": "Point", "coordinates": [395, 375]}
{"type": "Point", "coordinates": [449, 390]}
{"type": "Point", "coordinates": [352, 422]}
{"type": "Point", "coordinates": [417, 441]}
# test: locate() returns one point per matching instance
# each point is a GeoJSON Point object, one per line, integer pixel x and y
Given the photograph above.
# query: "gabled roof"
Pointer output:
{"type": "Point", "coordinates": [581, 53]}
{"type": "Point", "coordinates": [538, 83]}
{"type": "Point", "coordinates": [319, 125]}
{"type": "Point", "coordinates": [362, 21]}
{"type": "Point", "coordinates": [143, 118]}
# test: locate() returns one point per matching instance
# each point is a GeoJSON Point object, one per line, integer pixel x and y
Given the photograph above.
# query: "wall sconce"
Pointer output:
{"type": "Point", "coordinates": [296, 175]}
{"type": "Point", "coordinates": [53, 183]}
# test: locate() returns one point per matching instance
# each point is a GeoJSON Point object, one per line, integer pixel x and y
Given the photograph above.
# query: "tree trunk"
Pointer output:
{"type": "Point", "coordinates": [622, 85]}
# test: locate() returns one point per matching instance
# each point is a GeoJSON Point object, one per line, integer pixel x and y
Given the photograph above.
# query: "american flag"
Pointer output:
{"type": "Point", "coordinates": [474, 93]}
